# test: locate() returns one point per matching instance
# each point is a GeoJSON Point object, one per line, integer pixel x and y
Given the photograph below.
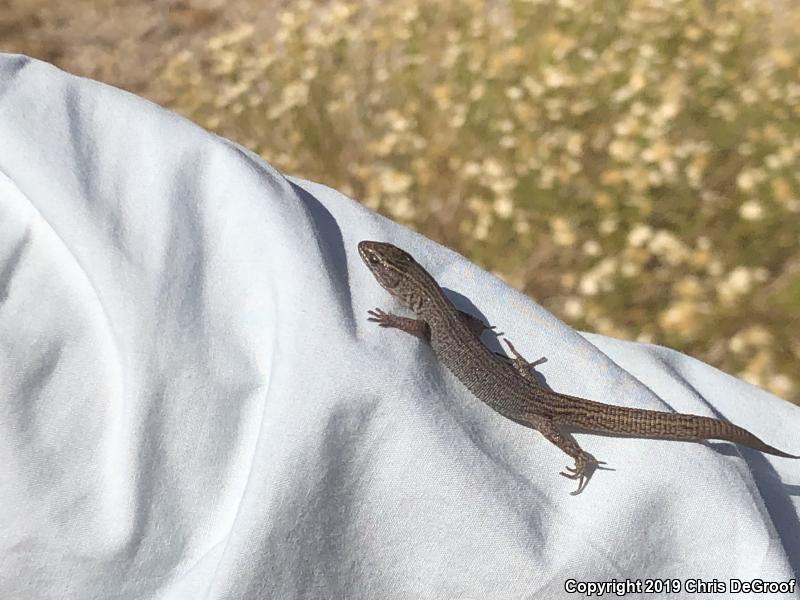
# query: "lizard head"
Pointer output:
{"type": "Point", "coordinates": [396, 271]}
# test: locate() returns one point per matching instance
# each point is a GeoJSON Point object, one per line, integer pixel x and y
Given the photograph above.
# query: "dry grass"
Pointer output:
{"type": "Point", "coordinates": [631, 164]}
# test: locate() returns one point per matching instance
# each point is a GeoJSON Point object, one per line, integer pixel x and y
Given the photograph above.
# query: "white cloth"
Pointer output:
{"type": "Point", "coordinates": [194, 405]}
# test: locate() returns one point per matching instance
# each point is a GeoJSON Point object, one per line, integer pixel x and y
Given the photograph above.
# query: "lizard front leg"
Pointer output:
{"type": "Point", "coordinates": [413, 326]}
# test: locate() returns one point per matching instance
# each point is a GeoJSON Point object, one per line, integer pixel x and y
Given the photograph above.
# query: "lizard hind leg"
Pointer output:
{"type": "Point", "coordinates": [585, 463]}
{"type": "Point", "coordinates": [522, 365]}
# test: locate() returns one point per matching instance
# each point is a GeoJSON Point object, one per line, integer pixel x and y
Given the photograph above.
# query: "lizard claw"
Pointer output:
{"type": "Point", "coordinates": [585, 464]}
{"type": "Point", "coordinates": [572, 473]}
{"type": "Point", "coordinates": [380, 317]}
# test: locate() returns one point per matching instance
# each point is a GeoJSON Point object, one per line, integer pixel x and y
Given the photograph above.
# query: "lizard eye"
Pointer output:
{"type": "Point", "coordinates": [373, 259]}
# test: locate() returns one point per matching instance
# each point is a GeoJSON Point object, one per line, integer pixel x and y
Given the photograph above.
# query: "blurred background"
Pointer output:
{"type": "Point", "coordinates": [631, 165]}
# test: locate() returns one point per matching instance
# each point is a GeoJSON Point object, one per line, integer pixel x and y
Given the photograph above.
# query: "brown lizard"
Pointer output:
{"type": "Point", "coordinates": [508, 385]}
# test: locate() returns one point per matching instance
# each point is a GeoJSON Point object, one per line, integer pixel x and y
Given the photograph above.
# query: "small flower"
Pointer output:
{"type": "Point", "coordinates": [780, 384]}
{"type": "Point", "coordinates": [503, 206]}
{"type": "Point", "coordinates": [513, 93]}
{"type": "Point", "coordinates": [746, 181]}
{"type": "Point", "coordinates": [639, 235]}
{"type": "Point", "coordinates": [591, 248]}
{"type": "Point", "coordinates": [563, 232]}
{"type": "Point", "coordinates": [395, 182]}
{"type": "Point", "coordinates": [681, 318]}
{"type": "Point", "coordinates": [573, 308]}
{"type": "Point", "coordinates": [752, 210]}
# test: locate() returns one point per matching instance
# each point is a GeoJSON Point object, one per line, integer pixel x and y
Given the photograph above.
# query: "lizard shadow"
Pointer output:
{"type": "Point", "coordinates": [490, 338]}
{"type": "Point", "coordinates": [774, 493]}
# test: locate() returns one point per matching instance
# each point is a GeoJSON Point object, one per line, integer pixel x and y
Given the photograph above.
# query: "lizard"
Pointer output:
{"type": "Point", "coordinates": [508, 385]}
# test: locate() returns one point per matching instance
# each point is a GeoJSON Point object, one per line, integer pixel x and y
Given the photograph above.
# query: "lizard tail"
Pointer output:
{"type": "Point", "coordinates": [620, 420]}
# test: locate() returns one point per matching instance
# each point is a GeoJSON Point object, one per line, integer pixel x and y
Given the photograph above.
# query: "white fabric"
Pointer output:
{"type": "Point", "coordinates": [194, 405]}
